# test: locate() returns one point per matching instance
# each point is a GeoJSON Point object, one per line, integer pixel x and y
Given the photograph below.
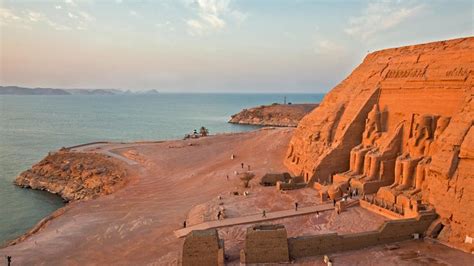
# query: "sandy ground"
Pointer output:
{"type": "Point", "coordinates": [176, 180]}
{"type": "Point", "coordinates": [135, 225]}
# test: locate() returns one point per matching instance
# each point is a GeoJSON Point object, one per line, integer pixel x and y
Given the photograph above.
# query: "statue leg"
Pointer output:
{"type": "Point", "coordinates": [408, 173]}
{"type": "Point", "coordinates": [359, 161]}
{"type": "Point", "coordinates": [374, 167]}
{"type": "Point", "coordinates": [398, 173]}
{"type": "Point", "coordinates": [352, 160]}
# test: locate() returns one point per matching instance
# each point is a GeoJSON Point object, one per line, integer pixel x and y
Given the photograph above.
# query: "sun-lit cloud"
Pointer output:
{"type": "Point", "coordinates": [380, 16]}
{"type": "Point", "coordinates": [70, 2]}
{"type": "Point", "coordinates": [26, 19]}
{"type": "Point", "coordinates": [212, 15]}
{"type": "Point", "coordinates": [7, 16]}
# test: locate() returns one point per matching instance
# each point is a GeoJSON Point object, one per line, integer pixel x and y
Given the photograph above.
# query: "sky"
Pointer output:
{"type": "Point", "coordinates": [211, 45]}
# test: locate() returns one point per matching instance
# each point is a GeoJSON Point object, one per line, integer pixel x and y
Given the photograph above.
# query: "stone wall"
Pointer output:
{"type": "Point", "coordinates": [265, 244]}
{"type": "Point", "coordinates": [203, 247]}
{"type": "Point", "coordinates": [389, 232]}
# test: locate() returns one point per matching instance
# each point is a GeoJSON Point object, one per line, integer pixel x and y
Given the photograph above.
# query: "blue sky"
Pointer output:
{"type": "Point", "coordinates": [211, 45]}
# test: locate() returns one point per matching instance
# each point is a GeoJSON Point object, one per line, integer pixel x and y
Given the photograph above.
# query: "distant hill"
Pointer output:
{"type": "Point", "coordinates": [15, 90]}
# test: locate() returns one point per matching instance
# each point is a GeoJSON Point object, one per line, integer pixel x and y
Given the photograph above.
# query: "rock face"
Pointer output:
{"type": "Point", "coordinates": [280, 115]}
{"type": "Point", "coordinates": [74, 175]}
{"type": "Point", "coordinates": [400, 124]}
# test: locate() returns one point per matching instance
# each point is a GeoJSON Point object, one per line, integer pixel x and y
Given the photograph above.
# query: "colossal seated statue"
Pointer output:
{"type": "Point", "coordinates": [421, 168]}
{"type": "Point", "coordinates": [374, 158]}
{"type": "Point", "coordinates": [417, 148]}
{"type": "Point", "coordinates": [411, 167]}
{"type": "Point", "coordinates": [371, 133]}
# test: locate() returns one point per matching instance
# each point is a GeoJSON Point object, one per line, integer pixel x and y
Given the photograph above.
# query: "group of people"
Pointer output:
{"type": "Point", "coordinates": [203, 132]}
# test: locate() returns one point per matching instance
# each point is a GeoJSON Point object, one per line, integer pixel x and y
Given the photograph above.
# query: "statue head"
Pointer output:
{"type": "Point", "coordinates": [423, 128]}
{"type": "Point", "coordinates": [441, 125]}
{"type": "Point", "coordinates": [372, 123]}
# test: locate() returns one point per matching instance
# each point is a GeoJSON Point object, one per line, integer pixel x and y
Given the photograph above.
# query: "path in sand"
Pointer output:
{"type": "Point", "coordinates": [254, 218]}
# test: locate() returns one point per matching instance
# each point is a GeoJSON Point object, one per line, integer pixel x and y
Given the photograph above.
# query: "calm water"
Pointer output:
{"type": "Point", "coordinates": [30, 126]}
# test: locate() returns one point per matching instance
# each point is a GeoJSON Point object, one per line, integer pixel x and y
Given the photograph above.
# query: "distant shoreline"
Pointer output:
{"type": "Point", "coordinates": [15, 90]}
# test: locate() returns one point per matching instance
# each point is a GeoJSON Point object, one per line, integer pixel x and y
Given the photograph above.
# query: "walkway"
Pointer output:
{"type": "Point", "coordinates": [253, 218]}
{"type": "Point", "coordinates": [105, 148]}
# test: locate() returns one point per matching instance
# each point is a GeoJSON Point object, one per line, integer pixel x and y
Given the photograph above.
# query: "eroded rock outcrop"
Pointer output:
{"type": "Point", "coordinates": [74, 175]}
{"type": "Point", "coordinates": [280, 115]}
{"type": "Point", "coordinates": [399, 126]}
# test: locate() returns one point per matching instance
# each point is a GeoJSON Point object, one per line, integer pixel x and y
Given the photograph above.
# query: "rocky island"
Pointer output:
{"type": "Point", "coordinates": [75, 175]}
{"type": "Point", "coordinates": [380, 171]}
{"type": "Point", "coordinates": [278, 115]}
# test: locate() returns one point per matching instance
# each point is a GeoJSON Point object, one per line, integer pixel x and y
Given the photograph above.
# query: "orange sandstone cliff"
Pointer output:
{"type": "Point", "coordinates": [417, 94]}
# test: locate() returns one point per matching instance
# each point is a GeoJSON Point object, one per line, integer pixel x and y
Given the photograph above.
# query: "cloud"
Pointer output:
{"type": "Point", "coordinates": [7, 16]}
{"type": "Point", "coordinates": [380, 16]}
{"type": "Point", "coordinates": [133, 13]}
{"type": "Point", "coordinates": [70, 2]}
{"type": "Point", "coordinates": [327, 47]}
{"type": "Point", "coordinates": [27, 18]}
{"type": "Point", "coordinates": [71, 15]}
{"type": "Point", "coordinates": [212, 15]}
{"type": "Point", "coordinates": [58, 7]}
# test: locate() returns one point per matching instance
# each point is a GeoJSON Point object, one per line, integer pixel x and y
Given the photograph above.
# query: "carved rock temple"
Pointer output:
{"type": "Point", "coordinates": [398, 130]}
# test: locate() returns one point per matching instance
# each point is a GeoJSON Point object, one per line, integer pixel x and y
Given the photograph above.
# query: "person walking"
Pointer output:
{"type": "Point", "coordinates": [317, 214]}
{"type": "Point", "coordinates": [242, 165]}
{"type": "Point", "coordinates": [296, 206]}
{"type": "Point", "coordinates": [334, 202]}
{"type": "Point", "coordinates": [9, 260]}
{"type": "Point", "coordinates": [184, 224]}
{"type": "Point", "coordinates": [264, 214]}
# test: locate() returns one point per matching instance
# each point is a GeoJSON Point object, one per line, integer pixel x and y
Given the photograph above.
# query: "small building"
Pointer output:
{"type": "Point", "coordinates": [265, 244]}
{"type": "Point", "coordinates": [203, 248]}
{"type": "Point", "coordinates": [271, 179]}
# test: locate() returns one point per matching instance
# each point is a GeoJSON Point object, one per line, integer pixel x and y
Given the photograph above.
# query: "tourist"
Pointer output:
{"type": "Point", "coordinates": [232, 156]}
{"type": "Point", "coordinates": [317, 214]}
{"type": "Point", "coordinates": [334, 202]}
{"type": "Point", "coordinates": [296, 206]}
{"type": "Point", "coordinates": [242, 165]}
{"type": "Point", "coordinates": [264, 214]}
{"type": "Point", "coordinates": [219, 215]}
{"type": "Point", "coordinates": [227, 177]}
{"type": "Point", "coordinates": [9, 260]}
{"type": "Point", "coordinates": [184, 224]}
